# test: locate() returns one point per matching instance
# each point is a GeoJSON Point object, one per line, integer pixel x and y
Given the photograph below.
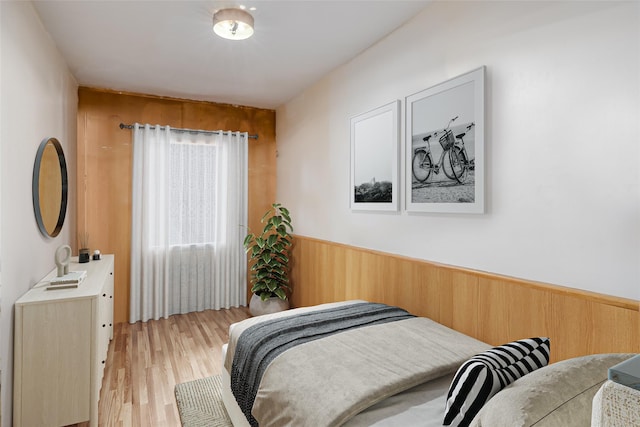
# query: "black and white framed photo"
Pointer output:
{"type": "Point", "coordinates": [375, 142]}
{"type": "Point", "coordinates": [444, 168]}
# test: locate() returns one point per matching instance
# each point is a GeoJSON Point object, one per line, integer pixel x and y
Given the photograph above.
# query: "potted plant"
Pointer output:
{"type": "Point", "coordinates": [269, 262]}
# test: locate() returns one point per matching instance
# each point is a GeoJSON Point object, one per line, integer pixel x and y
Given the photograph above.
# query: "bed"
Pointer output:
{"type": "Point", "coordinates": [357, 363]}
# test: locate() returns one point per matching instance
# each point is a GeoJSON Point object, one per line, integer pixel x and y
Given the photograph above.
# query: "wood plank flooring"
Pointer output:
{"type": "Point", "coordinates": [146, 361]}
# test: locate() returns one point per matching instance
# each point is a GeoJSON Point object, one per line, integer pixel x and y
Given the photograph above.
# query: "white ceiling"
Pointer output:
{"type": "Point", "coordinates": [168, 48]}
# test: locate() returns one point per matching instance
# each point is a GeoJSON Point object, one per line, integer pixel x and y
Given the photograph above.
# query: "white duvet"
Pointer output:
{"type": "Point", "coordinates": [327, 382]}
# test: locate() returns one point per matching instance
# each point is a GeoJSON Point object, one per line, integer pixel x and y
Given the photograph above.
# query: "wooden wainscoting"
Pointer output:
{"type": "Point", "coordinates": [492, 308]}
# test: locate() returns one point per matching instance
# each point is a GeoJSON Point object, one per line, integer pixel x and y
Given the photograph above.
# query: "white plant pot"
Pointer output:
{"type": "Point", "coordinates": [257, 307]}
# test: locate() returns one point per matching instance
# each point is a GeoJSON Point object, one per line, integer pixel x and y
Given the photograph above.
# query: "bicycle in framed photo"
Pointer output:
{"type": "Point", "coordinates": [444, 147]}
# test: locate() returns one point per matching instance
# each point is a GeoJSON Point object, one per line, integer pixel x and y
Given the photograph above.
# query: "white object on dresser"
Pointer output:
{"type": "Point", "coordinates": [60, 348]}
{"type": "Point", "coordinates": [616, 405]}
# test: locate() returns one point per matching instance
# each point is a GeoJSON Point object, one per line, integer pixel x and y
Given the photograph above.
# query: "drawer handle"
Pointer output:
{"type": "Point", "coordinates": [104, 295]}
{"type": "Point", "coordinates": [104, 326]}
{"type": "Point", "coordinates": [103, 362]}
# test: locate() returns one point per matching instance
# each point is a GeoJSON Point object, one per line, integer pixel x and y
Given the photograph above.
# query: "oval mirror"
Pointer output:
{"type": "Point", "coordinates": [50, 187]}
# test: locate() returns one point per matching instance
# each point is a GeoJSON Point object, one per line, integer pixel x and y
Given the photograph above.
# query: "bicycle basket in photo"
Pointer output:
{"type": "Point", "coordinates": [447, 139]}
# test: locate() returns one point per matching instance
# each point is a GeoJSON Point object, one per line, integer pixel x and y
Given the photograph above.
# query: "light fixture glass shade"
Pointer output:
{"type": "Point", "coordinates": [233, 24]}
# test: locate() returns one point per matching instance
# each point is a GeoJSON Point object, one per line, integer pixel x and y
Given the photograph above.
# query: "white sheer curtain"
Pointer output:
{"type": "Point", "coordinates": [188, 211]}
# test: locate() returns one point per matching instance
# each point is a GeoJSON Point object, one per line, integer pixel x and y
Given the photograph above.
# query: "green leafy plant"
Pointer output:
{"type": "Point", "coordinates": [269, 254]}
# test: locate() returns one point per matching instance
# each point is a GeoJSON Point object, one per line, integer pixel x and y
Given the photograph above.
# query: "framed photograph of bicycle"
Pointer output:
{"type": "Point", "coordinates": [444, 168]}
{"type": "Point", "coordinates": [375, 142]}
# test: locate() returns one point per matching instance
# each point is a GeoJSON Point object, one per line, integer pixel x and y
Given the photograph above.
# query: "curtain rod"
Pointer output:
{"type": "Point", "coordinates": [214, 132]}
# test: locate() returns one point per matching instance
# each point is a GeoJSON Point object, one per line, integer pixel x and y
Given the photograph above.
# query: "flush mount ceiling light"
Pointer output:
{"type": "Point", "coordinates": [233, 24]}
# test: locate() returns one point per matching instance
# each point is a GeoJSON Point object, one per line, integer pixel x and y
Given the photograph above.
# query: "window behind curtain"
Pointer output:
{"type": "Point", "coordinates": [192, 193]}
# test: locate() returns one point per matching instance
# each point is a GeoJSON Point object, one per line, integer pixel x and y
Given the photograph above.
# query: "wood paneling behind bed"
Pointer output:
{"type": "Point", "coordinates": [492, 308]}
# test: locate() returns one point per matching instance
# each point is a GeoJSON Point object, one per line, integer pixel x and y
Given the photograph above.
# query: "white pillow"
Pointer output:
{"type": "Point", "coordinates": [557, 395]}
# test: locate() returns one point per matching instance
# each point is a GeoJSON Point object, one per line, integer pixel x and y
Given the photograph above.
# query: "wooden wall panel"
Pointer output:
{"type": "Point", "coordinates": [365, 275]}
{"type": "Point", "coordinates": [327, 280]}
{"type": "Point", "coordinates": [463, 305]}
{"type": "Point", "coordinates": [593, 327]}
{"type": "Point", "coordinates": [104, 167]}
{"type": "Point", "coordinates": [509, 312]}
{"type": "Point", "coordinates": [491, 308]}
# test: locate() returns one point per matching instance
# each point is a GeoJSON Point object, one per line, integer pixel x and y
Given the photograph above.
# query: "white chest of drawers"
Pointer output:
{"type": "Point", "coordinates": [60, 347]}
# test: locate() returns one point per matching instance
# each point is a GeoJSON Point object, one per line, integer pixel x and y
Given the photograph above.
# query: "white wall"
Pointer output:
{"type": "Point", "coordinates": [39, 99]}
{"type": "Point", "coordinates": [562, 141]}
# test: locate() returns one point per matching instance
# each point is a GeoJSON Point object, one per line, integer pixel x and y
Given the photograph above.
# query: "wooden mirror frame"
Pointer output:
{"type": "Point", "coordinates": [36, 190]}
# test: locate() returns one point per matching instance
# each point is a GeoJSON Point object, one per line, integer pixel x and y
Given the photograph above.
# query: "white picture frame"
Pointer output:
{"type": "Point", "coordinates": [444, 119]}
{"type": "Point", "coordinates": [375, 143]}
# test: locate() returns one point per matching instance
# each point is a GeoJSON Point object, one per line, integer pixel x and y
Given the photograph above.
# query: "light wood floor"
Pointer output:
{"type": "Point", "coordinates": [147, 360]}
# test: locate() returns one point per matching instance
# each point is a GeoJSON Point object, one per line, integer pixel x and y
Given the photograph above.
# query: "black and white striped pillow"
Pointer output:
{"type": "Point", "coordinates": [486, 373]}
